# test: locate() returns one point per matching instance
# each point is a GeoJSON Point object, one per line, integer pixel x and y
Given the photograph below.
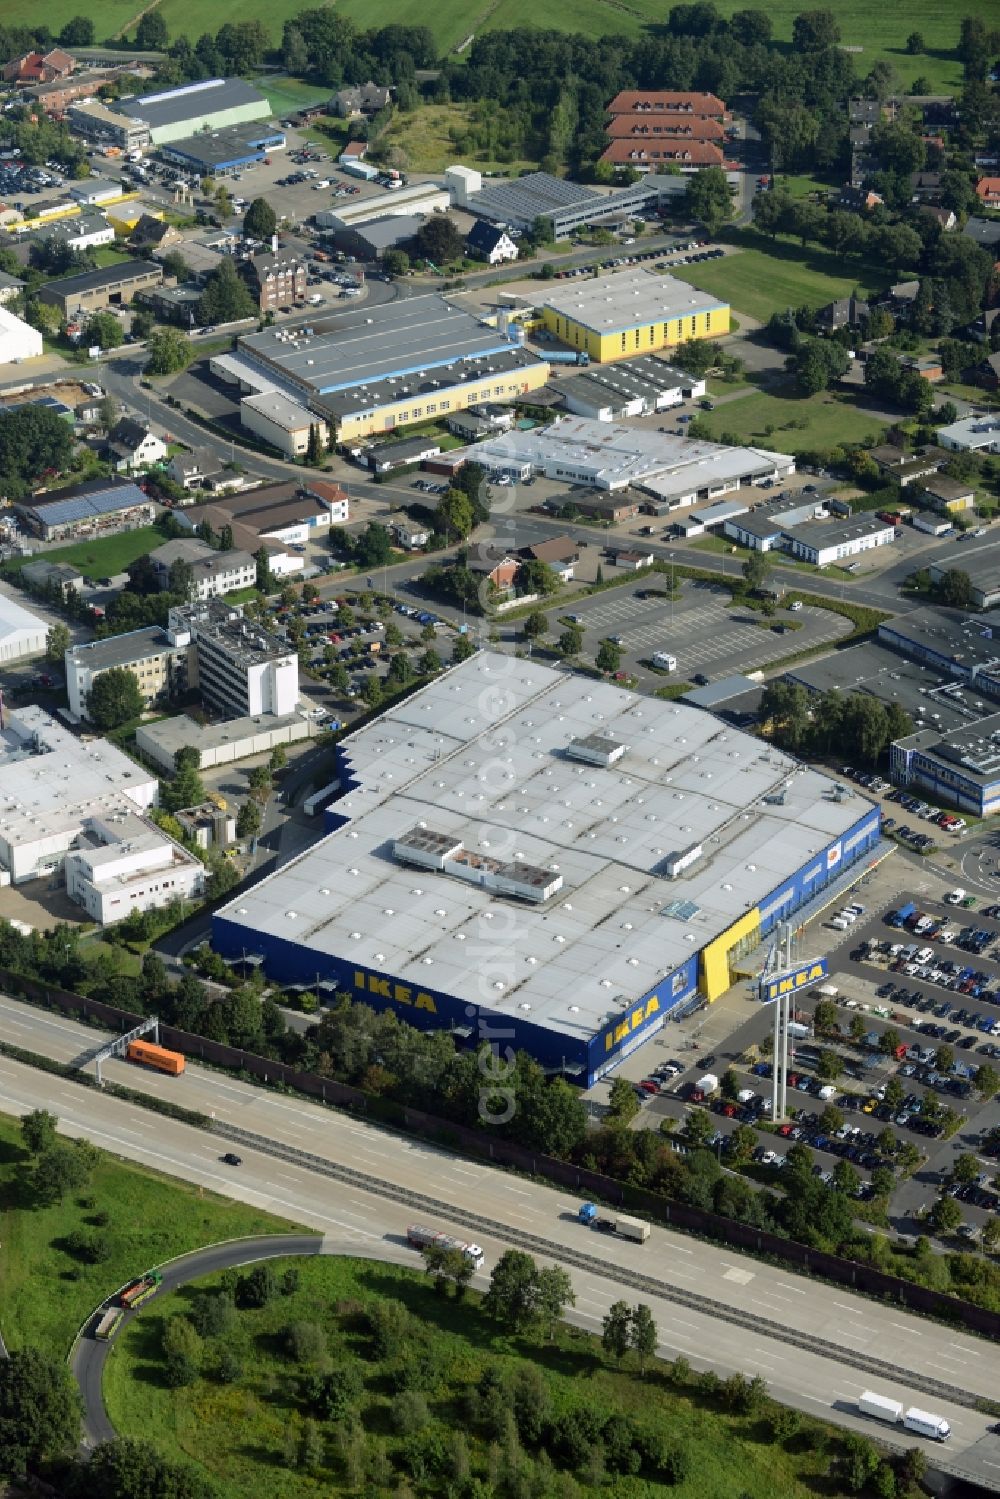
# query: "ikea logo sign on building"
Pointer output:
{"type": "Point", "coordinates": [793, 979]}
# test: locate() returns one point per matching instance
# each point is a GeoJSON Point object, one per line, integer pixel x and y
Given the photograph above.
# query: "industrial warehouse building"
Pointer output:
{"type": "Point", "coordinates": [95, 508]}
{"type": "Point", "coordinates": [18, 339]}
{"type": "Point", "coordinates": [677, 471]}
{"type": "Point", "coordinates": [566, 892]}
{"type": "Point", "coordinates": [380, 367]}
{"type": "Point", "coordinates": [21, 632]}
{"type": "Point", "coordinates": [519, 202]}
{"type": "Point", "coordinates": [980, 561]}
{"type": "Point", "coordinates": [92, 291]}
{"type": "Point", "coordinates": [629, 313]}
{"type": "Point", "coordinates": [212, 104]}
{"type": "Point", "coordinates": [51, 783]}
{"type": "Point", "coordinates": [220, 153]}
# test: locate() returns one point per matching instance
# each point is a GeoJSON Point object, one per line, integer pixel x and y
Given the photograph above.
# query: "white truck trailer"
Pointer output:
{"type": "Point", "coordinates": [923, 1423]}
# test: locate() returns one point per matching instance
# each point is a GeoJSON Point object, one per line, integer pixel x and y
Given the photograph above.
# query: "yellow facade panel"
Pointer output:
{"type": "Point", "coordinates": [387, 418]}
{"type": "Point", "coordinates": [715, 977]}
{"type": "Point", "coordinates": [642, 338]}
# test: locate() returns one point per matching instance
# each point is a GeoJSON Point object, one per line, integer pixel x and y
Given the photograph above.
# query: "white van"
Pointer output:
{"type": "Point", "coordinates": [955, 897]}
{"type": "Point", "coordinates": [665, 661]}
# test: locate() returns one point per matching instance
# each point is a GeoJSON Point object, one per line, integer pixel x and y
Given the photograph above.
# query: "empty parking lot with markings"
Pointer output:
{"type": "Point", "coordinates": [703, 628]}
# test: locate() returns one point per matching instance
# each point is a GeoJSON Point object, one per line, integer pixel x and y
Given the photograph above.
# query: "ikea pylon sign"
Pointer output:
{"type": "Point", "coordinates": [793, 979]}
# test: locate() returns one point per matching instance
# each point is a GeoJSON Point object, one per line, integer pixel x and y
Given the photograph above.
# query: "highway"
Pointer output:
{"type": "Point", "coordinates": [816, 1346]}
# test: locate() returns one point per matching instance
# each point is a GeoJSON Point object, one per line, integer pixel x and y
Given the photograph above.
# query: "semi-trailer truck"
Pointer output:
{"type": "Point", "coordinates": [881, 1408]}
{"type": "Point", "coordinates": [616, 1223]}
{"type": "Point", "coordinates": [171, 1062]}
{"type": "Point", "coordinates": [140, 1290]}
{"type": "Point", "coordinates": [421, 1237]}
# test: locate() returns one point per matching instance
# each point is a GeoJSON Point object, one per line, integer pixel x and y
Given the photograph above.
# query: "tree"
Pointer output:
{"type": "Point", "coordinates": [248, 820]}
{"type": "Point", "coordinates": [986, 1080]}
{"type": "Point", "coordinates": [38, 1131]}
{"type": "Point", "coordinates": [623, 1105]}
{"type": "Point", "coordinates": [430, 664]}
{"type": "Point", "coordinates": [616, 1331]}
{"type": "Point", "coordinates": [535, 625]}
{"type": "Point", "coordinates": [462, 649]}
{"type": "Point", "coordinates": [915, 43]}
{"type": "Point", "coordinates": [756, 570]}
{"type": "Point", "coordinates": [858, 1462]}
{"type": "Point", "coordinates": [79, 32]}
{"type": "Point", "coordinates": [965, 1170]}
{"type": "Point", "coordinates": [372, 690]}
{"type": "Point", "coordinates": [185, 788]}
{"type": "Point", "coordinates": [260, 220]}
{"type": "Point", "coordinates": [554, 1293]}
{"type": "Point", "coordinates": [888, 1042]}
{"type": "Point", "coordinates": [570, 642]}
{"type": "Point", "coordinates": [708, 198]}
{"type": "Point", "coordinates": [742, 1144]}
{"type": "Point", "coordinates": [103, 329]}
{"type": "Point", "coordinates": [39, 1411]}
{"type": "Point", "coordinates": [830, 1066]}
{"type": "Point", "coordinates": [697, 1127]}
{"type": "Point", "coordinates": [944, 1059]}
{"type": "Point", "coordinates": [785, 705]}
{"type": "Point", "coordinates": [512, 1297]}
{"type": "Point", "coordinates": [180, 579]}
{"type": "Point", "coordinates": [608, 658]}
{"type": "Point", "coordinates": [814, 31]}
{"type": "Point", "coordinates": [57, 642]}
{"type": "Point", "coordinates": [395, 263]}
{"type": "Point", "coordinates": [825, 1015]}
{"type": "Point", "coordinates": [454, 513]}
{"type": "Point", "coordinates": [955, 589]}
{"type": "Point", "coordinates": [151, 34]}
{"type": "Point", "coordinates": [132, 1469]}
{"type": "Point", "coordinates": [169, 351]}
{"type": "Point", "coordinates": [114, 698]}
{"type": "Point", "coordinates": [642, 1335]}
{"type": "Point", "coordinates": [182, 1350]}
{"type": "Point", "coordinates": [225, 298]}
{"type": "Point", "coordinates": [438, 240]}
{"type": "Point", "coordinates": [448, 1265]}
{"type": "Point", "coordinates": [751, 28]}
{"type": "Point", "coordinates": [945, 1215]}
{"type": "Point", "coordinates": [258, 1287]}
{"type": "Point", "coordinates": [141, 323]}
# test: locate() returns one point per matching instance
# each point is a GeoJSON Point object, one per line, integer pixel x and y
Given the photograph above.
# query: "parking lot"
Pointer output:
{"type": "Point", "coordinates": [703, 628]}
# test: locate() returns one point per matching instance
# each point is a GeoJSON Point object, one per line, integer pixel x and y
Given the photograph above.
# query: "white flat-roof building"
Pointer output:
{"type": "Point", "coordinates": [21, 632]}
{"type": "Point", "coordinates": [221, 743]}
{"type": "Point", "coordinates": [51, 784]}
{"type": "Point", "coordinates": [18, 340]}
{"type": "Point", "coordinates": [281, 421]}
{"type": "Point", "coordinates": [971, 434]}
{"type": "Point", "coordinates": [548, 859]}
{"type": "Point", "coordinates": [122, 863]}
{"type": "Point", "coordinates": [611, 456]}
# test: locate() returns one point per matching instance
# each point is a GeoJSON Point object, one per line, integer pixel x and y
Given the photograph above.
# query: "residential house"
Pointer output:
{"type": "Point", "coordinates": [988, 372]}
{"type": "Point", "coordinates": [641, 156]}
{"type": "Point", "coordinates": [39, 67]}
{"type": "Point", "coordinates": [490, 242]}
{"type": "Point", "coordinates": [365, 101]}
{"type": "Point", "coordinates": [846, 312]}
{"type": "Point", "coordinates": [943, 216]}
{"type": "Point", "coordinates": [193, 470]}
{"type": "Point", "coordinates": [906, 468]}
{"type": "Point", "coordinates": [10, 287]}
{"type": "Point", "coordinates": [213, 573]}
{"type": "Point", "coordinates": [132, 446]}
{"type": "Point", "coordinates": [857, 199]}
{"type": "Point", "coordinates": [986, 234]}
{"type": "Point", "coordinates": [561, 553]}
{"type": "Point", "coordinates": [988, 191]}
{"type": "Point", "coordinates": [950, 496]}
{"type": "Point", "coordinates": [353, 151]}
{"type": "Point", "coordinates": [900, 298]}
{"type": "Point", "coordinates": [333, 496]}
{"type": "Point", "coordinates": [925, 187]}
{"type": "Point", "coordinates": [154, 234]}
{"type": "Point", "coordinates": [408, 534]}
{"type": "Point", "coordinates": [493, 564]}
{"type": "Point", "coordinates": [276, 279]}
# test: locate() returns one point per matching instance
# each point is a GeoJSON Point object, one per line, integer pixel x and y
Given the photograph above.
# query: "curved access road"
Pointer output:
{"type": "Point", "coordinates": [817, 1346]}
{"type": "Point", "coordinates": [89, 1355]}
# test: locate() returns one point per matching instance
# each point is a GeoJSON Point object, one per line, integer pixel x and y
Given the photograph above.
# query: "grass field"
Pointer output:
{"type": "Point", "coordinates": [762, 276]}
{"type": "Point", "coordinates": [881, 33]}
{"type": "Point", "coordinates": [105, 557]}
{"type": "Point", "coordinates": [426, 137]}
{"type": "Point", "coordinates": [827, 420]}
{"type": "Point", "coordinates": [288, 94]}
{"type": "Point", "coordinates": [240, 1432]}
{"type": "Point", "coordinates": [45, 1294]}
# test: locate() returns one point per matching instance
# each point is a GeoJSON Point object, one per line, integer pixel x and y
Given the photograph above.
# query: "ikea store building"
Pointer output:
{"type": "Point", "coordinates": [547, 863]}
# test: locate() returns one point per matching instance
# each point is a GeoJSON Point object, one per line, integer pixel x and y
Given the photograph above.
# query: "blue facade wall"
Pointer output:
{"type": "Point", "coordinates": [289, 962]}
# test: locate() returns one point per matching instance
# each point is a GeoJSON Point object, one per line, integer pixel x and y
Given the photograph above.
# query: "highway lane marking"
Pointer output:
{"type": "Point", "coordinates": [903, 1328]}
{"type": "Point", "coordinates": [857, 1310]}
{"type": "Point", "coordinates": [952, 1358]}
{"type": "Point", "coordinates": [786, 1287]}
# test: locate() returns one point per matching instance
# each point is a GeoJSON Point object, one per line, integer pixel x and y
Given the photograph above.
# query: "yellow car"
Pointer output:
{"type": "Point", "coordinates": [869, 1106]}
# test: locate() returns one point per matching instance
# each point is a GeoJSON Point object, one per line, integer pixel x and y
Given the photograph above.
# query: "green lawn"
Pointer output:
{"type": "Point", "coordinates": [768, 276]}
{"type": "Point", "coordinates": [106, 556]}
{"type": "Point", "coordinates": [242, 1432]}
{"type": "Point", "coordinates": [45, 1295]}
{"type": "Point", "coordinates": [827, 421]}
{"type": "Point", "coordinates": [285, 95]}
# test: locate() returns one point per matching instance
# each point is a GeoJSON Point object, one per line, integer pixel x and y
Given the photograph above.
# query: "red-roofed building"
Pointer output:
{"type": "Point", "coordinates": [643, 156]}
{"type": "Point", "coordinates": [354, 151]}
{"type": "Point", "coordinates": [661, 101]}
{"type": "Point", "coordinates": [677, 126]}
{"type": "Point", "coordinates": [39, 67]}
{"type": "Point", "coordinates": [988, 191]}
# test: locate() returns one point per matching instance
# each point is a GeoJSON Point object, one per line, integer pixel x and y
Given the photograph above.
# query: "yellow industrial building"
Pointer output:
{"type": "Point", "coordinates": [629, 313]}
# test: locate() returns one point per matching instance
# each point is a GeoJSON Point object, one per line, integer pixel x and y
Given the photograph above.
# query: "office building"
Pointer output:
{"type": "Point", "coordinates": [213, 573]}
{"type": "Point", "coordinates": [239, 668]}
{"type": "Point", "coordinates": [632, 852]}
{"type": "Point", "coordinates": [51, 783]}
{"type": "Point", "coordinates": [121, 863]}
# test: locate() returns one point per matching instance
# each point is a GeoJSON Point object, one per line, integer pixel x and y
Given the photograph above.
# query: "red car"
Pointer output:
{"type": "Point", "coordinates": [729, 1109]}
{"type": "Point", "coordinates": [786, 1130]}
{"type": "Point", "coordinates": [649, 1086]}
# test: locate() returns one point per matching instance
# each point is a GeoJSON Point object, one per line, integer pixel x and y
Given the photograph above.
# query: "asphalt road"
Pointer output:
{"type": "Point", "coordinates": [697, 1292]}
{"type": "Point", "coordinates": [89, 1355]}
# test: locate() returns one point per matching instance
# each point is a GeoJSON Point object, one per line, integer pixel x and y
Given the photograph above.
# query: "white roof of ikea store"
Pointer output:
{"type": "Point", "coordinates": [626, 298]}
{"type": "Point", "coordinates": [480, 754]}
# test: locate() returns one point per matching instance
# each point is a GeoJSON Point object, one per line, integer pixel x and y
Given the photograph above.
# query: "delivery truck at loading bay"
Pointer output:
{"type": "Point", "coordinates": [614, 1223]}
{"type": "Point", "coordinates": [923, 1423]}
